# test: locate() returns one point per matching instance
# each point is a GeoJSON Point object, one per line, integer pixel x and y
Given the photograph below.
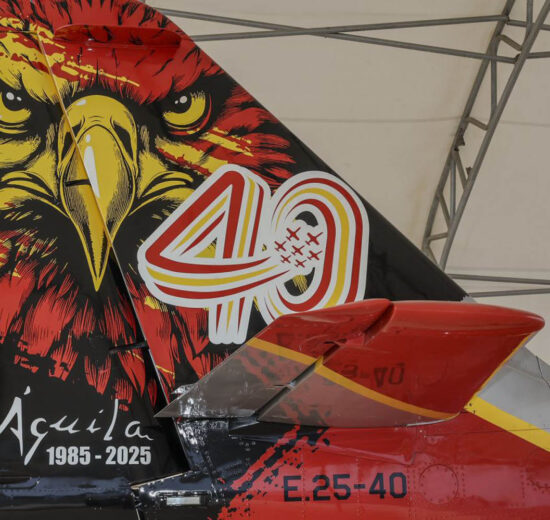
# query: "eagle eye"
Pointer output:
{"type": "Point", "coordinates": [14, 112]}
{"type": "Point", "coordinates": [187, 112]}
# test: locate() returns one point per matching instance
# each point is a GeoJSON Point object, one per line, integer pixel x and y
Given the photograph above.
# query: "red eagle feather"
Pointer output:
{"type": "Point", "coordinates": [53, 317]}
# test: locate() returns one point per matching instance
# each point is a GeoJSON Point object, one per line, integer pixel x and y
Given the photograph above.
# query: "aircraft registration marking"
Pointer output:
{"type": "Point", "coordinates": [337, 487]}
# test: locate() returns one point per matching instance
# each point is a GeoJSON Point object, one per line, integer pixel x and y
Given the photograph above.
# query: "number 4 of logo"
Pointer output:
{"type": "Point", "coordinates": [232, 244]}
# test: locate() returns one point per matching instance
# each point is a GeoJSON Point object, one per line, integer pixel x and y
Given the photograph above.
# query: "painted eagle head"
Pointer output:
{"type": "Point", "coordinates": [95, 97]}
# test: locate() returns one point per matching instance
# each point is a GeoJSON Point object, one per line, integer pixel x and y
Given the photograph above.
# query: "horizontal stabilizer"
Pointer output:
{"type": "Point", "coordinates": [372, 363]}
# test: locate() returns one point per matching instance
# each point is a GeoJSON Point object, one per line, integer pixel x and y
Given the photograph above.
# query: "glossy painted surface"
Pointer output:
{"type": "Point", "coordinates": [115, 129]}
{"type": "Point", "coordinates": [111, 120]}
{"type": "Point", "coordinates": [364, 364]}
{"type": "Point", "coordinates": [463, 469]}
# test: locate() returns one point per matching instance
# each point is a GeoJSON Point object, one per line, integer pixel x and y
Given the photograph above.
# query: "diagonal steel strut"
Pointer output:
{"type": "Point", "coordinates": [456, 182]}
{"type": "Point", "coordinates": [338, 33]}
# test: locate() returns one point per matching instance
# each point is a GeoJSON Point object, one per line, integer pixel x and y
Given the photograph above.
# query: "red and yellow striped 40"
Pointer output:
{"type": "Point", "coordinates": [231, 245]}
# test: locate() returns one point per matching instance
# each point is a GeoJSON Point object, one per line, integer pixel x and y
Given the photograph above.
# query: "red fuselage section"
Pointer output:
{"type": "Point", "coordinates": [465, 468]}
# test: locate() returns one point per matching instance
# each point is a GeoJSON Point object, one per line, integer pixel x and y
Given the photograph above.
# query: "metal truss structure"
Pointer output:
{"type": "Point", "coordinates": [457, 180]}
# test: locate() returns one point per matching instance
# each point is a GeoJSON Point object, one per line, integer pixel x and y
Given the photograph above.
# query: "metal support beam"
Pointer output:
{"type": "Point", "coordinates": [440, 225]}
{"type": "Point", "coordinates": [505, 279]}
{"type": "Point", "coordinates": [523, 23]}
{"type": "Point", "coordinates": [335, 33]}
{"type": "Point", "coordinates": [323, 31]}
{"type": "Point", "coordinates": [520, 292]}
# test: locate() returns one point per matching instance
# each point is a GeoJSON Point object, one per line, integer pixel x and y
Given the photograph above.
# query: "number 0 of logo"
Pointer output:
{"type": "Point", "coordinates": [232, 243]}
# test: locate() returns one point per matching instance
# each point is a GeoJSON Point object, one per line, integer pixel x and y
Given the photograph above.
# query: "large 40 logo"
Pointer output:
{"type": "Point", "coordinates": [231, 244]}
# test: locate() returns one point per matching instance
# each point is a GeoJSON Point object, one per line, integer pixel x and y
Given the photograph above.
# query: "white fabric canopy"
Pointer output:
{"type": "Point", "coordinates": [384, 119]}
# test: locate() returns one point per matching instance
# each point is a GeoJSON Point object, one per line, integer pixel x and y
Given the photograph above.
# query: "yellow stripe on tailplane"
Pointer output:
{"type": "Point", "coordinates": [278, 350]}
{"type": "Point", "coordinates": [359, 389]}
{"type": "Point", "coordinates": [344, 382]}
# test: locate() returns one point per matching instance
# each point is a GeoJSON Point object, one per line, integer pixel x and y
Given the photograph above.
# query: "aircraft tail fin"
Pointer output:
{"type": "Point", "coordinates": [220, 218]}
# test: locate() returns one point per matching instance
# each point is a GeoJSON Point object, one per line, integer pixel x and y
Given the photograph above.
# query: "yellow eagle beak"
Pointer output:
{"type": "Point", "coordinates": [97, 165]}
